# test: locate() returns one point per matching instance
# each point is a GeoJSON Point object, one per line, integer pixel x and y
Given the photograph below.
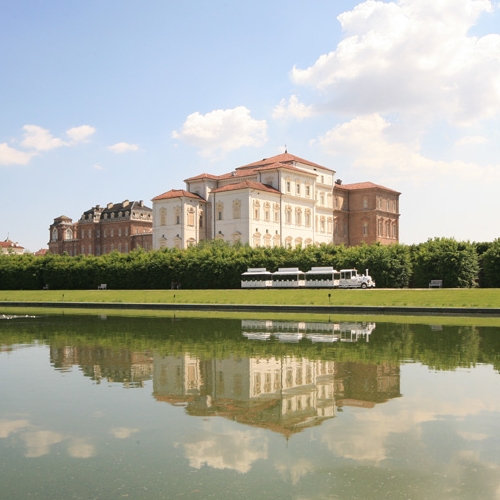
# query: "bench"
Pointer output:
{"type": "Point", "coordinates": [102, 286]}
{"type": "Point", "coordinates": [436, 284]}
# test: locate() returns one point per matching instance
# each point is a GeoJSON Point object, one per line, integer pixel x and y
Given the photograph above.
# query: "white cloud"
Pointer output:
{"type": "Point", "coordinates": [97, 166]}
{"type": "Point", "coordinates": [292, 109]}
{"type": "Point", "coordinates": [222, 130]}
{"type": "Point", "coordinates": [366, 141]}
{"type": "Point", "coordinates": [80, 134]}
{"type": "Point", "coordinates": [11, 156]}
{"type": "Point", "coordinates": [471, 140]}
{"type": "Point", "coordinates": [40, 139]}
{"type": "Point", "coordinates": [37, 139]}
{"type": "Point", "coordinates": [411, 56]}
{"type": "Point", "coordinates": [123, 147]}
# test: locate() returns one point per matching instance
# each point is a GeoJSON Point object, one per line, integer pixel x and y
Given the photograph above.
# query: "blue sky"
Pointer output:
{"type": "Point", "coordinates": [106, 101]}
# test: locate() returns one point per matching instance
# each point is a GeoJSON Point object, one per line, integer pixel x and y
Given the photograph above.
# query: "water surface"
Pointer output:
{"type": "Point", "coordinates": [110, 407]}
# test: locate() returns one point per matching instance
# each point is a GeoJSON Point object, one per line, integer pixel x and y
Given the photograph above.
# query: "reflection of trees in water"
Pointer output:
{"type": "Point", "coordinates": [446, 348]}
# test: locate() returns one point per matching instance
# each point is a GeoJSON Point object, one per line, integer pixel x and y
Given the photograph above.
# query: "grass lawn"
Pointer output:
{"type": "Point", "coordinates": [444, 297]}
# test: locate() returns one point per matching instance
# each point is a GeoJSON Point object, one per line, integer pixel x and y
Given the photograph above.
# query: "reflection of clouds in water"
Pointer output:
{"type": "Point", "coordinates": [293, 472]}
{"type": "Point", "coordinates": [368, 430]}
{"type": "Point", "coordinates": [38, 443]}
{"type": "Point", "coordinates": [8, 427]}
{"type": "Point", "coordinates": [123, 432]}
{"type": "Point", "coordinates": [235, 450]}
{"type": "Point", "coordinates": [81, 448]}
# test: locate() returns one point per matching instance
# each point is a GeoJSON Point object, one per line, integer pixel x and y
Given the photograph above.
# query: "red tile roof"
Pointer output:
{"type": "Point", "coordinates": [246, 185]}
{"type": "Point", "coordinates": [10, 244]}
{"type": "Point", "coordinates": [202, 176]}
{"type": "Point", "coordinates": [363, 185]}
{"type": "Point", "coordinates": [284, 158]}
{"type": "Point", "coordinates": [177, 193]}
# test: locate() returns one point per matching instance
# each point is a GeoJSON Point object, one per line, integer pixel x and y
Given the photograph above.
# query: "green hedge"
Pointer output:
{"type": "Point", "coordinates": [217, 264]}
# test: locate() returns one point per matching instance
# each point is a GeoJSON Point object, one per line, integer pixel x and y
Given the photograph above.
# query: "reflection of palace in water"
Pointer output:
{"type": "Point", "coordinates": [284, 394]}
{"type": "Point", "coordinates": [114, 365]}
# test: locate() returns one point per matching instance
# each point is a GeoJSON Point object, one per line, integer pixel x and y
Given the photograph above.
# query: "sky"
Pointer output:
{"type": "Point", "coordinates": [106, 101]}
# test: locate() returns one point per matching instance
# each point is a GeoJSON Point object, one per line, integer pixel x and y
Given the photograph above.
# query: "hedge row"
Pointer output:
{"type": "Point", "coordinates": [219, 265]}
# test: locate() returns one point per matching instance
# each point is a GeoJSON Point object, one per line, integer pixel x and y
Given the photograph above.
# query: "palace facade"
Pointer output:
{"type": "Point", "coordinates": [279, 201]}
{"type": "Point", "coordinates": [117, 226]}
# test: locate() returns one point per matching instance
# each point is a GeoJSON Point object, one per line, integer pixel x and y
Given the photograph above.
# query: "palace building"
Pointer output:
{"type": "Point", "coordinates": [100, 230]}
{"type": "Point", "coordinates": [279, 201]}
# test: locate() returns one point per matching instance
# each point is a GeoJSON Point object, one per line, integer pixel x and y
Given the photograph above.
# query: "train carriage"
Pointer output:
{"type": "Point", "coordinates": [289, 277]}
{"type": "Point", "coordinates": [257, 277]}
{"type": "Point", "coordinates": [322, 277]}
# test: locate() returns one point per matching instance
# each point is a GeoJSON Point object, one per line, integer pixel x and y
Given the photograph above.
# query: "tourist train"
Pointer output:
{"type": "Point", "coordinates": [316, 277]}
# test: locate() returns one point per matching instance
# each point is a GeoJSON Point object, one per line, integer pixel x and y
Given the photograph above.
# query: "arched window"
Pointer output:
{"type": "Point", "coordinates": [54, 234]}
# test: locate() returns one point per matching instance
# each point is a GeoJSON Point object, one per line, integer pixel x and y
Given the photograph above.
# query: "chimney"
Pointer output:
{"type": "Point", "coordinates": [109, 205]}
{"type": "Point", "coordinates": [125, 203]}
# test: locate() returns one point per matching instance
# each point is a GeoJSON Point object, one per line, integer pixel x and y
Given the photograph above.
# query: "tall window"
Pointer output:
{"type": "Point", "coordinates": [307, 218]}
{"type": "Point", "coordinates": [237, 209]}
{"type": "Point", "coordinates": [267, 212]}
{"type": "Point", "coordinates": [190, 216]}
{"type": "Point", "coordinates": [298, 216]}
{"type": "Point", "coordinates": [256, 210]}
{"type": "Point", "coordinates": [163, 216]}
{"type": "Point", "coordinates": [220, 210]}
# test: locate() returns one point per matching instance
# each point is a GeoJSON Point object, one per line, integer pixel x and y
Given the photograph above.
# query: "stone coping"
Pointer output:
{"type": "Point", "coordinates": [330, 309]}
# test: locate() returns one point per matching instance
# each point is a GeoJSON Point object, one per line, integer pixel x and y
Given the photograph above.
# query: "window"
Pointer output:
{"type": "Point", "coordinates": [365, 202]}
{"type": "Point", "coordinates": [288, 214]}
{"type": "Point", "coordinates": [307, 218]}
{"type": "Point", "coordinates": [322, 198]}
{"type": "Point", "coordinates": [365, 228]}
{"type": "Point", "coordinates": [82, 234]}
{"type": "Point", "coordinates": [308, 190]}
{"type": "Point", "coordinates": [256, 210]}
{"type": "Point", "coordinates": [288, 186]}
{"type": "Point", "coordinates": [54, 234]}
{"type": "Point", "coordinates": [119, 231]}
{"type": "Point", "coordinates": [69, 234]}
{"type": "Point", "coordinates": [298, 216]}
{"type": "Point", "coordinates": [237, 209]}
{"type": "Point", "coordinates": [276, 212]}
{"type": "Point", "coordinates": [190, 216]}
{"type": "Point", "coordinates": [297, 188]}
{"type": "Point", "coordinates": [322, 224]}
{"type": "Point", "coordinates": [126, 231]}
{"type": "Point", "coordinates": [112, 233]}
{"type": "Point", "coordinates": [201, 219]}
{"type": "Point", "coordinates": [267, 212]}
{"type": "Point", "coordinates": [220, 210]}
{"type": "Point", "coordinates": [163, 216]}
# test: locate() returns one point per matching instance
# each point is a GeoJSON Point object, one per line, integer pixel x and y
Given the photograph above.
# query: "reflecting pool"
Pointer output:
{"type": "Point", "coordinates": [96, 407]}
